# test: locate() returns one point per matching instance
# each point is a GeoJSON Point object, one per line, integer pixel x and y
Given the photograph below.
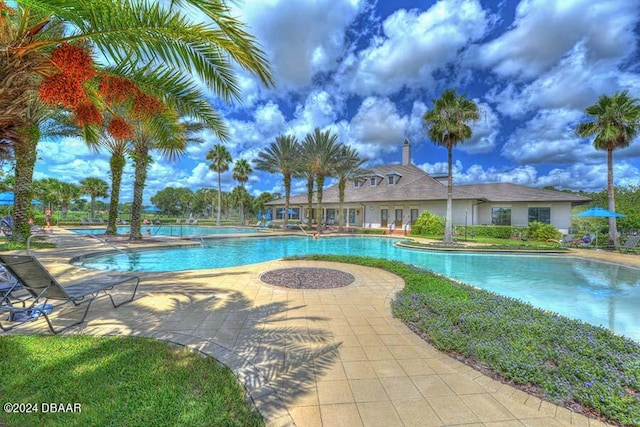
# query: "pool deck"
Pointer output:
{"type": "Point", "coordinates": [333, 357]}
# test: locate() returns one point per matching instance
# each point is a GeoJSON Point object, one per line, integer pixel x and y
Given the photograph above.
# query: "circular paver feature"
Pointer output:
{"type": "Point", "coordinates": [307, 278]}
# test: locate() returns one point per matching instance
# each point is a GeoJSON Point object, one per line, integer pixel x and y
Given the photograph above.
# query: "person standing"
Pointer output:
{"type": "Point", "coordinates": [47, 217]}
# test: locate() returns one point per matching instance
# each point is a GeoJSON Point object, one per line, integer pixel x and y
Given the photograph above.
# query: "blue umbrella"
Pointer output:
{"type": "Point", "coordinates": [291, 212]}
{"type": "Point", "coordinates": [260, 215]}
{"type": "Point", "coordinates": [598, 212]}
{"type": "Point", "coordinates": [8, 198]}
{"type": "Point", "coordinates": [152, 209]}
{"type": "Point", "coordinates": [268, 216]}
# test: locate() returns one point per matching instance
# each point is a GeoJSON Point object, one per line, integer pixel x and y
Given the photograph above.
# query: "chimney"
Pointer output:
{"type": "Point", "coordinates": [406, 153]}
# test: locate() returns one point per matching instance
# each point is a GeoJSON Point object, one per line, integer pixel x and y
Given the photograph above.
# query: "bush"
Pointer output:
{"type": "Point", "coordinates": [493, 231]}
{"type": "Point", "coordinates": [428, 224]}
{"type": "Point", "coordinates": [540, 231]}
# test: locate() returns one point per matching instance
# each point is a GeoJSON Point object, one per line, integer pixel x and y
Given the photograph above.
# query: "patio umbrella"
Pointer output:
{"type": "Point", "coordinates": [7, 198]}
{"type": "Point", "coordinates": [268, 216]}
{"type": "Point", "coordinates": [291, 212]}
{"type": "Point", "coordinates": [598, 212]}
{"type": "Point", "coordinates": [260, 215]}
{"type": "Point", "coordinates": [151, 209]}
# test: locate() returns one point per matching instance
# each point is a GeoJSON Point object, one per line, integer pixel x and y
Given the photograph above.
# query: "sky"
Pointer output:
{"type": "Point", "coordinates": [368, 70]}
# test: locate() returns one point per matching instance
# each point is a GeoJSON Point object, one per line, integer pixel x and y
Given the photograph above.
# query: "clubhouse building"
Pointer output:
{"type": "Point", "coordinates": [393, 196]}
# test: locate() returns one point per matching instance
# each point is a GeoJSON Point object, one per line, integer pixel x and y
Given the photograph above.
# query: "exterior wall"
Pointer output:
{"type": "Point", "coordinates": [464, 212]}
{"type": "Point", "coordinates": [560, 213]}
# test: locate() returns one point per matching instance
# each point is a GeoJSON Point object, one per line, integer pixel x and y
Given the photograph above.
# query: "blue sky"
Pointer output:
{"type": "Point", "coordinates": [368, 70]}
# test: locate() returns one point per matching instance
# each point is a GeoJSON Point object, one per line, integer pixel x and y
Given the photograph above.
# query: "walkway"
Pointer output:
{"type": "Point", "coordinates": [314, 357]}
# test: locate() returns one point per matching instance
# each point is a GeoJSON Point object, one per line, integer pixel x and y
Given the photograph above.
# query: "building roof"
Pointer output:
{"type": "Point", "coordinates": [416, 185]}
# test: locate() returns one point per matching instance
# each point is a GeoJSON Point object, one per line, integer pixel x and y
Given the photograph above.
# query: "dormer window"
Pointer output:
{"type": "Point", "coordinates": [359, 182]}
{"type": "Point", "coordinates": [374, 181]}
{"type": "Point", "coordinates": [393, 178]}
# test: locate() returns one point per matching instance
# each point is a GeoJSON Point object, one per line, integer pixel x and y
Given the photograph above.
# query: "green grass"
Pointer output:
{"type": "Point", "coordinates": [492, 243]}
{"type": "Point", "coordinates": [568, 361]}
{"type": "Point", "coordinates": [119, 381]}
{"type": "Point", "coordinates": [9, 245]}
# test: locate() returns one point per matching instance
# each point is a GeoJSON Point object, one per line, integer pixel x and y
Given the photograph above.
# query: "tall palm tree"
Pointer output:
{"type": "Point", "coordinates": [319, 153]}
{"type": "Point", "coordinates": [94, 187]}
{"type": "Point", "coordinates": [220, 159]}
{"type": "Point", "coordinates": [447, 126]}
{"type": "Point", "coordinates": [281, 157]}
{"type": "Point", "coordinates": [615, 122]}
{"type": "Point", "coordinates": [66, 193]}
{"type": "Point", "coordinates": [132, 37]}
{"type": "Point", "coordinates": [241, 172]}
{"type": "Point", "coordinates": [346, 166]}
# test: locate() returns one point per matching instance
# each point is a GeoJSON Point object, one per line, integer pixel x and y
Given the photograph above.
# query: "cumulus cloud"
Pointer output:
{"type": "Point", "coordinates": [543, 33]}
{"type": "Point", "coordinates": [414, 46]}
{"type": "Point", "coordinates": [301, 38]}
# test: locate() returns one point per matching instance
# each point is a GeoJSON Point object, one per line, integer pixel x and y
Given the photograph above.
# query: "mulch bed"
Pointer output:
{"type": "Point", "coordinates": [307, 278]}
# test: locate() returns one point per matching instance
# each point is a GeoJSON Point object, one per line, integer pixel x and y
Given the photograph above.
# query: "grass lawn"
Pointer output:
{"type": "Point", "coordinates": [118, 381]}
{"type": "Point", "coordinates": [9, 245]}
{"type": "Point", "coordinates": [565, 361]}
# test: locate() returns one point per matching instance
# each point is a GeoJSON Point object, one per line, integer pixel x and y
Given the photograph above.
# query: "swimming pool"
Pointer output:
{"type": "Point", "coordinates": [172, 230]}
{"type": "Point", "coordinates": [595, 292]}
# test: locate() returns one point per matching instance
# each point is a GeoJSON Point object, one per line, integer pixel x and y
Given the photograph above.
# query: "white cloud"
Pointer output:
{"type": "Point", "coordinates": [544, 32]}
{"type": "Point", "coordinates": [301, 38]}
{"type": "Point", "coordinates": [414, 46]}
{"type": "Point", "coordinates": [63, 151]}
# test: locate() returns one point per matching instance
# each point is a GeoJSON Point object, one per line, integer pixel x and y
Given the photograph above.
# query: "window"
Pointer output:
{"type": "Point", "coordinates": [372, 181]}
{"type": "Point", "coordinates": [501, 216]}
{"type": "Point", "coordinates": [414, 216]}
{"type": "Point", "coordinates": [540, 214]}
{"type": "Point", "coordinates": [391, 179]}
{"type": "Point", "coordinates": [359, 182]}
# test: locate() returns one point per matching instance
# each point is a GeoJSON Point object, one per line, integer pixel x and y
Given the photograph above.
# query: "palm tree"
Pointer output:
{"type": "Point", "coordinates": [67, 192]}
{"type": "Point", "coordinates": [132, 37]}
{"type": "Point", "coordinates": [241, 172]}
{"type": "Point", "coordinates": [346, 166]}
{"type": "Point", "coordinates": [220, 159]}
{"type": "Point", "coordinates": [319, 153]}
{"type": "Point", "coordinates": [94, 187]}
{"type": "Point", "coordinates": [615, 122]}
{"type": "Point", "coordinates": [281, 157]}
{"type": "Point", "coordinates": [447, 126]}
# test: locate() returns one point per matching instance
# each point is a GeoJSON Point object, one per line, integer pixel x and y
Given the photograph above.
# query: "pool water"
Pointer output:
{"type": "Point", "coordinates": [172, 230]}
{"type": "Point", "coordinates": [595, 292]}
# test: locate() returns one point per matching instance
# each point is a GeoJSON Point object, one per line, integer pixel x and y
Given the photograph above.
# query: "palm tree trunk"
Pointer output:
{"type": "Point", "coordinates": [341, 186]}
{"type": "Point", "coordinates": [116, 164]}
{"type": "Point", "coordinates": [448, 218]}
{"type": "Point", "coordinates": [141, 163]}
{"type": "Point", "coordinates": [219, 200]}
{"type": "Point", "coordinates": [287, 196]}
{"type": "Point", "coordinates": [25, 154]}
{"type": "Point", "coordinates": [614, 239]}
{"type": "Point", "coordinates": [93, 205]}
{"type": "Point", "coordinates": [309, 200]}
{"type": "Point", "coordinates": [319, 216]}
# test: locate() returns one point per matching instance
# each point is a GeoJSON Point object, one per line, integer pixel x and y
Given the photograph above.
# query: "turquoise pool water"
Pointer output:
{"type": "Point", "coordinates": [172, 230]}
{"type": "Point", "coordinates": [595, 292]}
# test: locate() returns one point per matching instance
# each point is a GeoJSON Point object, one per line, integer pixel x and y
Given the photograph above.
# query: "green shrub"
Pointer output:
{"type": "Point", "coordinates": [541, 231]}
{"type": "Point", "coordinates": [428, 224]}
{"type": "Point", "coordinates": [369, 231]}
{"type": "Point", "coordinates": [493, 231]}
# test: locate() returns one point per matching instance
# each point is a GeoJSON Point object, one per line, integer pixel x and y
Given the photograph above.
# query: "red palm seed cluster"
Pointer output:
{"type": "Point", "coordinates": [116, 89]}
{"type": "Point", "coordinates": [73, 61]}
{"type": "Point", "coordinates": [120, 129]}
{"type": "Point", "coordinates": [59, 89]}
{"type": "Point", "coordinates": [146, 105]}
{"type": "Point", "coordinates": [66, 87]}
{"type": "Point", "coordinates": [87, 114]}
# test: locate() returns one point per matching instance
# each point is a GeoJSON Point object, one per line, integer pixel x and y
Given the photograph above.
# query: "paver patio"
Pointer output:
{"type": "Point", "coordinates": [313, 357]}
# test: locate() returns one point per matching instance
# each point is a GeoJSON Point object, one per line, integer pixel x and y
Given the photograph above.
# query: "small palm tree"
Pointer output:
{"type": "Point", "coordinates": [615, 122]}
{"type": "Point", "coordinates": [94, 187]}
{"type": "Point", "coordinates": [447, 126]}
{"type": "Point", "coordinates": [118, 149]}
{"type": "Point", "coordinates": [241, 172]}
{"type": "Point", "coordinates": [319, 152]}
{"type": "Point", "coordinates": [346, 166]}
{"type": "Point", "coordinates": [220, 159]}
{"type": "Point", "coordinates": [281, 157]}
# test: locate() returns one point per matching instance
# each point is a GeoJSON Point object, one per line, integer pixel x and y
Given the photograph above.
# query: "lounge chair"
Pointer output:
{"type": "Point", "coordinates": [6, 225]}
{"type": "Point", "coordinates": [630, 245]}
{"type": "Point", "coordinates": [580, 243]}
{"type": "Point", "coordinates": [566, 240]}
{"type": "Point", "coordinates": [47, 294]}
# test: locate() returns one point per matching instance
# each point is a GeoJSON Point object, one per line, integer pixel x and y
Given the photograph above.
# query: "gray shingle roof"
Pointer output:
{"type": "Point", "coordinates": [416, 185]}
